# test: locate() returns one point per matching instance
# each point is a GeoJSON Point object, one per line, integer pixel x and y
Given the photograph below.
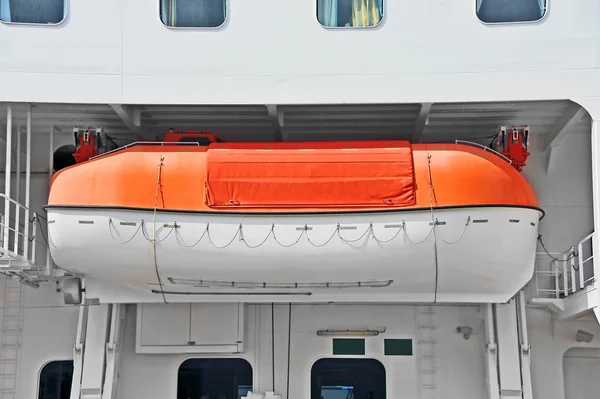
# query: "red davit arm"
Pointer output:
{"type": "Point", "coordinates": [513, 145]}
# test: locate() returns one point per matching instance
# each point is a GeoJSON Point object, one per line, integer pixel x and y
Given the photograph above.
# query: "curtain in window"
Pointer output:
{"type": "Point", "coordinates": [193, 13]}
{"type": "Point", "coordinates": [510, 10]}
{"type": "Point", "coordinates": [542, 6]}
{"type": "Point", "coordinates": [327, 11]}
{"type": "Point", "coordinates": [366, 12]}
{"type": "Point", "coordinates": [4, 11]}
{"type": "Point", "coordinates": [33, 11]}
{"type": "Point", "coordinates": [339, 13]}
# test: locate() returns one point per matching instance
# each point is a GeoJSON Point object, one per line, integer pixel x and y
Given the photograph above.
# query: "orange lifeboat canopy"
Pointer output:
{"type": "Point", "coordinates": [292, 177]}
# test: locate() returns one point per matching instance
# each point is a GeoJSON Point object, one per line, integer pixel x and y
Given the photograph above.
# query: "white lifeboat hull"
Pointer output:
{"type": "Point", "coordinates": [473, 255]}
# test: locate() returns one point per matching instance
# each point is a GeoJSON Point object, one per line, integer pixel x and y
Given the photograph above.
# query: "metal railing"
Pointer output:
{"type": "Point", "coordinates": [485, 148]}
{"type": "Point", "coordinates": [558, 275]}
{"type": "Point", "coordinates": [147, 143]}
{"type": "Point", "coordinates": [17, 231]}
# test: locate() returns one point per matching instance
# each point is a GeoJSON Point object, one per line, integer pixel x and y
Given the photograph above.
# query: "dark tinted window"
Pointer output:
{"type": "Point", "coordinates": [193, 13]}
{"type": "Point", "coordinates": [347, 378]}
{"type": "Point", "coordinates": [214, 379]}
{"type": "Point", "coordinates": [510, 10]}
{"type": "Point", "coordinates": [32, 11]}
{"type": "Point", "coordinates": [55, 380]}
{"type": "Point", "coordinates": [203, 141]}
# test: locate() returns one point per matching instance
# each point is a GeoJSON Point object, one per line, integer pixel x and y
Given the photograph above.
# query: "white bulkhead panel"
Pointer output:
{"type": "Point", "coordinates": [216, 324]}
{"type": "Point", "coordinates": [190, 328]}
{"type": "Point", "coordinates": [276, 52]}
{"type": "Point", "coordinates": [164, 324]}
{"type": "Point", "coordinates": [79, 59]}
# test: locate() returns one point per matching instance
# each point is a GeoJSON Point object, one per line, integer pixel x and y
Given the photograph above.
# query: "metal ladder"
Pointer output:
{"type": "Point", "coordinates": [11, 337]}
{"type": "Point", "coordinates": [428, 361]}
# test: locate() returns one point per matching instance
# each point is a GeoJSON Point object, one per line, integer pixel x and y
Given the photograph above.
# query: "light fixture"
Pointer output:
{"type": "Point", "coordinates": [584, 336]}
{"type": "Point", "coordinates": [350, 333]}
{"type": "Point", "coordinates": [30, 284]}
{"type": "Point", "coordinates": [466, 331]}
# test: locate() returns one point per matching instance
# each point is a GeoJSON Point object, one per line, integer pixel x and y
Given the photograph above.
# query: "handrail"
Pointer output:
{"type": "Point", "coordinates": [7, 198]}
{"type": "Point", "coordinates": [581, 262]}
{"type": "Point", "coordinates": [567, 272]}
{"type": "Point", "coordinates": [485, 149]}
{"type": "Point", "coordinates": [14, 236]}
{"type": "Point", "coordinates": [175, 143]}
{"type": "Point", "coordinates": [137, 143]}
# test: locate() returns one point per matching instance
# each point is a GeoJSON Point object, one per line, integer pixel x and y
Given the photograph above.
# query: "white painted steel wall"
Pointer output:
{"type": "Point", "coordinates": [49, 333]}
{"type": "Point", "coordinates": [49, 330]}
{"type": "Point", "coordinates": [158, 372]}
{"type": "Point", "coordinates": [549, 343]}
{"type": "Point", "coordinates": [272, 51]}
{"type": "Point", "coordinates": [565, 194]}
{"type": "Point", "coordinates": [582, 368]}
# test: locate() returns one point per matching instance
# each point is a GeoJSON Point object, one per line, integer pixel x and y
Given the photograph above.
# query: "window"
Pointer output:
{"type": "Point", "coordinates": [214, 378]}
{"type": "Point", "coordinates": [397, 347]}
{"type": "Point", "coordinates": [203, 141]}
{"type": "Point", "coordinates": [33, 11]}
{"type": "Point", "coordinates": [193, 13]}
{"type": "Point", "coordinates": [498, 11]}
{"type": "Point", "coordinates": [347, 378]}
{"type": "Point", "coordinates": [55, 380]}
{"type": "Point", "coordinates": [348, 346]}
{"type": "Point", "coordinates": [349, 13]}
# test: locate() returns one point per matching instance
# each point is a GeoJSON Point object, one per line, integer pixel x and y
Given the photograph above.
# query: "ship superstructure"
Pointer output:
{"type": "Point", "coordinates": [313, 199]}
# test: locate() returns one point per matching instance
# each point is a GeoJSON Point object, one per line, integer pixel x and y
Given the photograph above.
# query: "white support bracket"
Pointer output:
{"type": "Point", "coordinates": [491, 354]}
{"type": "Point", "coordinates": [130, 115]}
{"type": "Point", "coordinates": [94, 359]}
{"type": "Point", "coordinates": [507, 335]}
{"type": "Point", "coordinates": [96, 352]}
{"type": "Point", "coordinates": [525, 348]}
{"type": "Point", "coordinates": [421, 122]}
{"type": "Point", "coordinates": [508, 369]}
{"type": "Point", "coordinates": [277, 119]}
{"type": "Point", "coordinates": [112, 352]}
{"type": "Point", "coordinates": [78, 353]}
{"type": "Point", "coordinates": [560, 129]}
{"type": "Point", "coordinates": [556, 306]}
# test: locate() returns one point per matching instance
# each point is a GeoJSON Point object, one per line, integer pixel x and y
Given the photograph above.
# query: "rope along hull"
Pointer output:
{"type": "Point", "coordinates": [467, 255]}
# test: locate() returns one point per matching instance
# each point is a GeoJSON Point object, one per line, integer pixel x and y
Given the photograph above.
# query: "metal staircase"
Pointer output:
{"type": "Point", "coordinates": [428, 360]}
{"type": "Point", "coordinates": [11, 337]}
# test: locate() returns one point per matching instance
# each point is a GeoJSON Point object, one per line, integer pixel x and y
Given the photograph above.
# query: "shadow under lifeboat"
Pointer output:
{"type": "Point", "coordinates": [282, 222]}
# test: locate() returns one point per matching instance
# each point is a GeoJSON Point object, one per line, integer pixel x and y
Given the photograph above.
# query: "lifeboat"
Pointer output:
{"type": "Point", "coordinates": [380, 221]}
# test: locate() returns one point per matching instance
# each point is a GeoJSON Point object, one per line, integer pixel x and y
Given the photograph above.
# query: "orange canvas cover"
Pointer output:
{"type": "Point", "coordinates": [310, 174]}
